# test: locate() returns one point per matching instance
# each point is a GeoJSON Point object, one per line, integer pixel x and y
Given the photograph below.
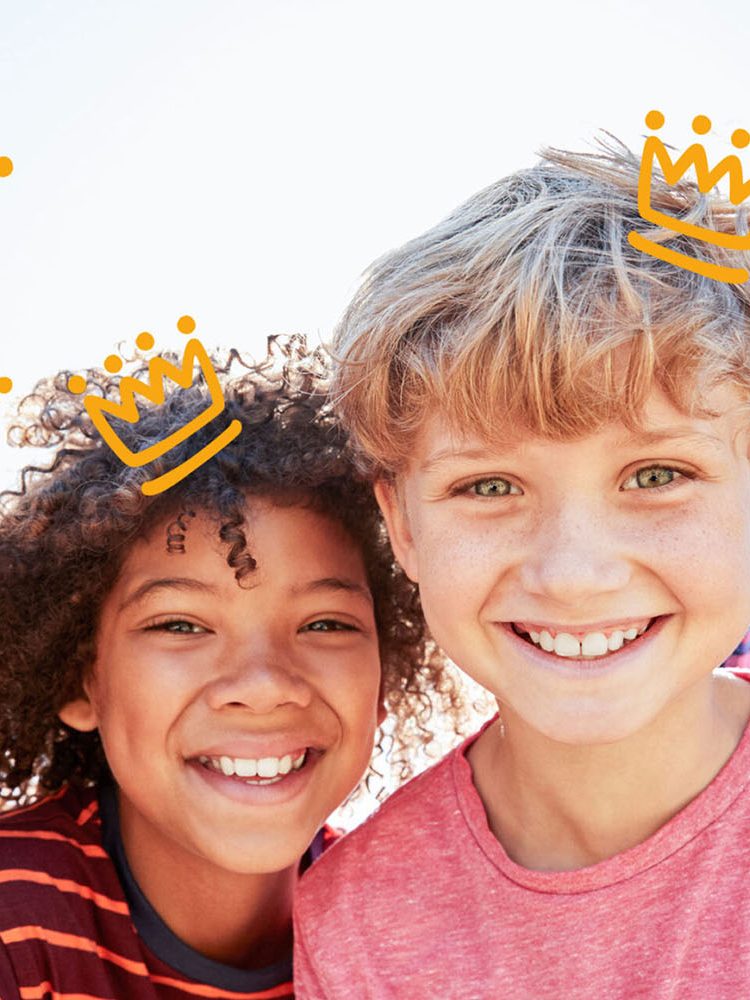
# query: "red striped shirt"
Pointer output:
{"type": "Point", "coordinates": [66, 929]}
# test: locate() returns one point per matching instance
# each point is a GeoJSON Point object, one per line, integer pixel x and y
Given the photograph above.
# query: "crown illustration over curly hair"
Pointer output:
{"type": "Point", "coordinates": [99, 408]}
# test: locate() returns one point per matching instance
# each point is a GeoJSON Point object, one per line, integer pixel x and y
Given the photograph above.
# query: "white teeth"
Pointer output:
{"type": "Point", "coordinates": [268, 767]}
{"type": "Point", "coordinates": [246, 768]}
{"type": "Point", "coordinates": [594, 644]}
{"type": "Point", "coordinates": [591, 645]}
{"type": "Point", "coordinates": [567, 645]}
{"type": "Point", "coordinates": [616, 640]}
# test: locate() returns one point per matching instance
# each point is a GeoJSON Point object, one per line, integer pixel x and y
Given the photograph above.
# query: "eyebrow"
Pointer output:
{"type": "Point", "coordinates": [166, 583]}
{"type": "Point", "coordinates": [470, 453]}
{"type": "Point", "coordinates": [641, 438]}
{"type": "Point", "coordinates": [335, 583]}
{"type": "Point", "coordinates": [666, 434]}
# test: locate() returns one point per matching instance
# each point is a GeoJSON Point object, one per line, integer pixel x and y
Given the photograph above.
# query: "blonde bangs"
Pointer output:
{"type": "Point", "coordinates": [527, 309]}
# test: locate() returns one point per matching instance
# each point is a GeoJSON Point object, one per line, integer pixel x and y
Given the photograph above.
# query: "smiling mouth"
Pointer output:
{"type": "Point", "coordinates": [257, 770]}
{"type": "Point", "coordinates": [574, 644]}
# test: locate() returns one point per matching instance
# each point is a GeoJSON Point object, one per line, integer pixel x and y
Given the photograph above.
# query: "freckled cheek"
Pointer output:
{"type": "Point", "coordinates": [459, 572]}
{"type": "Point", "coordinates": [704, 554]}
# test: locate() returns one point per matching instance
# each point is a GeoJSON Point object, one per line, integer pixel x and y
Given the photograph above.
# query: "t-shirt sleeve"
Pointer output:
{"type": "Point", "coordinates": [307, 985]}
{"type": "Point", "coordinates": [8, 981]}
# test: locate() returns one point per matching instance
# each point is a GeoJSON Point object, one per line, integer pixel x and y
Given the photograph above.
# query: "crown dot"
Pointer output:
{"type": "Point", "coordinates": [701, 124]}
{"type": "Point", "coordinates": [6, 384]}
{"type": "Point", "coordinates": [186, 324]}
{"type": "Point", "coordinates": [144, 341]}
{"type": "Point", "coordinates": [654, 119]}
{"type": "Point", "coordinates": [112, 363]}
{"type": "Point", "coordinates": [6, 166]}
{"type": "Point", "coordinates": [740, 138]}
{"type": "Point", "coordinates": [77, 384]}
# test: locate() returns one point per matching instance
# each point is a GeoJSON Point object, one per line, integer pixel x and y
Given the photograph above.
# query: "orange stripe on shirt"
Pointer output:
{"type": "Point", "coordinates": [61, 940]}
{"type": "Point", "coordinates": [202, 990]}
{"type": "Point", "coordinates": [90, 850]}
{"type": "Point", "coordinates": [41, 991]}
{"type": "Point", "coordinates": [85, 814]}
{"type": "Point", "coordinates": [64, 885]}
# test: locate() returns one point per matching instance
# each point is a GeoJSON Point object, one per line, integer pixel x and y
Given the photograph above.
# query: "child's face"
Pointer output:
{"type": "Point", "coordinates": [199, 683]}
{"type": "Point", "coordinates": [579, 537]}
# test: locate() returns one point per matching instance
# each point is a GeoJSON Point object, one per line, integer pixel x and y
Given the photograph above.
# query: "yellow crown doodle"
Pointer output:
{"type": "Point", "coordinates": [694, 156]}
{"type": "Point", "coordinates": [153, 390]}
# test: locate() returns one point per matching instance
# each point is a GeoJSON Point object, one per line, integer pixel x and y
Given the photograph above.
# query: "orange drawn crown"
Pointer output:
{"type": "Point", "coordinates": [654, 151]}
{"type": "Point", "coordinates": [158, 368]}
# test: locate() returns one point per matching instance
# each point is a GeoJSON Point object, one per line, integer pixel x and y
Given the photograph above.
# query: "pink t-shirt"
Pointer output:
{"type": "Point", "coordinates": [422, 903]}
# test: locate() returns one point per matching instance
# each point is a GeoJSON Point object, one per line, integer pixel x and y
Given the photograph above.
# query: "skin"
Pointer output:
{"type": "Point", "coordinates": [204, 667]}
{"type": "Point", "coordinates": [593, 755]}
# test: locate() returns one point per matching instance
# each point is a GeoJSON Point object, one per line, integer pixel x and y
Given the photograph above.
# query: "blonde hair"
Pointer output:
{"type": "Point", "coordinates": [528, 307]}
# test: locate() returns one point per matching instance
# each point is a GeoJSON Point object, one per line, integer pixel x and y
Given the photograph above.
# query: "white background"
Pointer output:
{"type": "Point", "coordinates": [243, 160]}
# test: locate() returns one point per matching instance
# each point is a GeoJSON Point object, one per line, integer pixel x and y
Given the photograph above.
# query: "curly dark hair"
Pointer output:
{"type": "Point", "coordinates": [65, 533]}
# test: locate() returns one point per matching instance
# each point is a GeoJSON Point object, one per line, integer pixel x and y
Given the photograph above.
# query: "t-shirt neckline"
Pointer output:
{"type": "Point", "coordinates": [684, 826]}
{"type": "Point", "coordinates": [161, 940]}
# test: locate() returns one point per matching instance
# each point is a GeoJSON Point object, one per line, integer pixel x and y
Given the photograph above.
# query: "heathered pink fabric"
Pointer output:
{"type": "Point", "coordinates": [423, 902]}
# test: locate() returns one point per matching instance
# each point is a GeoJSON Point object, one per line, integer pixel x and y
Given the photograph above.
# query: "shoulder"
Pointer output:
{"type": "Point", "coordinates": [68, 817]}
{"type": "Point", "coordinates": [51, 854]}
{"type": "Point", "coordinates": [389, 840]}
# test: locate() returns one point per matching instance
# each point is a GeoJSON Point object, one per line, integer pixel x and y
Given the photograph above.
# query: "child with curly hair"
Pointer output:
{"type": "Point", "coordinates": [190, 684]}
{"type": "Point", "coordinates": [558, 428]}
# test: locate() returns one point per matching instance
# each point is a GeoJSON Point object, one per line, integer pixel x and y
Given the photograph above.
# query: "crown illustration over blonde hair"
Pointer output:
{"type": "Point", "coordinates": [654, 151]}
{"type": "Point", "coordinates": [99, 408]}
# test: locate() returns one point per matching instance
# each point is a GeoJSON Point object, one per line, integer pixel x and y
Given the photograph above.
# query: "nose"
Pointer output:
{"type": "Point", "coordinates": [575, 556]}
{"type": "Point", "coordinates": [260, 676]}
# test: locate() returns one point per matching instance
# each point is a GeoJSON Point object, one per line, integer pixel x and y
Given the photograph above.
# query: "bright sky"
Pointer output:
{"type": "Point", "coordinates": [243, 160]}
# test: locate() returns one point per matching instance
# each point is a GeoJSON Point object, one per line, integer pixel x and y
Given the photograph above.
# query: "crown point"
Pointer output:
{"type": "Point", "coordinates": [701, 124]}
{"type": "Point", "coordinates": [654, 119]}
{"type": "Point", "coordinates": [112, 363]}
{"type": "Point", "coordinates": [144, 341]}
{"type": "Point", "coordinates": [6, 384]}
{"type": "Point", "coordinates": [6, 166]}
{"type": "Point", "coordinates": [186, 324]}
{"type": "Point", "coordinates": [740, 138]}
{"type": "Point", "coordinates": [77, 384]}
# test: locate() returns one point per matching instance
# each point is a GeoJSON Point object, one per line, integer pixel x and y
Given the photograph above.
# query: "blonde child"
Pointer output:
{"type": "Point", "coordinates": [558, 428]}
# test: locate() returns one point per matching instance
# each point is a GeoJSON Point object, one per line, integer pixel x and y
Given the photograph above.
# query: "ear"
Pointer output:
{"type": "Point", "coordinates": [382, 710]}
{"type": "Point", "coordinates": [79, 714]}
{"type": "Point", "coordinates": [394, 512]}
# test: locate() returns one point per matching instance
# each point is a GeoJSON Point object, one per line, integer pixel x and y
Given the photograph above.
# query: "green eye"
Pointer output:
{"type": "Point", "coordinates": [655, 476]}
{"type": "Point", "coordinates": [492, 488]}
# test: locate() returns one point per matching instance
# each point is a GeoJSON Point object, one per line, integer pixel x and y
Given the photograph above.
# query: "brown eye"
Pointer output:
{"type": "Point", "coordinates": [329, 625]}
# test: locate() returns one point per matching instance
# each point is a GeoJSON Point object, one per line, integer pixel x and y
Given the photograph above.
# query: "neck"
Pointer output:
{"type": "Point", "coordinates": [237, 919]}
{"type": "Point", "coordinates": [559, 807]}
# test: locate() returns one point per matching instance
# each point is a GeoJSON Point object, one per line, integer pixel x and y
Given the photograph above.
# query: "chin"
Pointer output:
{"type": "Point", "coordinates": [593, 726]}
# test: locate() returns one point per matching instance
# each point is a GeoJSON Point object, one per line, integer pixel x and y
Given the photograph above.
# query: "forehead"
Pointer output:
{"type": "Point", "coordinates": [719, 423]}
{"type": "Point", "coordinates": [286, 543]}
